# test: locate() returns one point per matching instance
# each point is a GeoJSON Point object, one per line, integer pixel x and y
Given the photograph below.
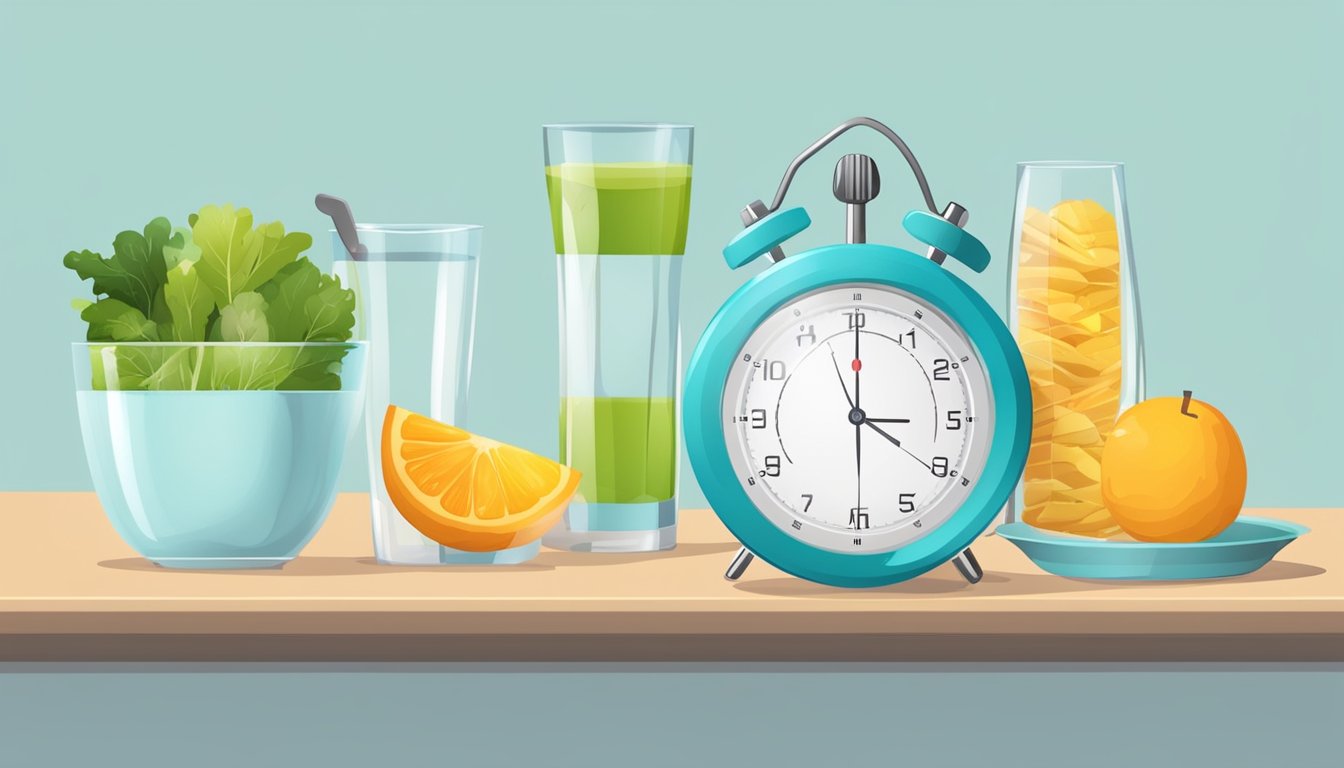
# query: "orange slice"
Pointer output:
{"type": "Point", "coordinates": [466, 491]}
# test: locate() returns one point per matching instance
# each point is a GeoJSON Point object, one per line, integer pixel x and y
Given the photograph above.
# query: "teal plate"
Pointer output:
{"type": "Point", "coordinates": [1245, 546]}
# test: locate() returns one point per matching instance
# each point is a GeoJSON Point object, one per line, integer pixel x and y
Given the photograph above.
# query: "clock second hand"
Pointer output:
{"type": "Point", "coordinates": [840, 377]}
{"type": "Point", "coordinates": [858, 470]}
{"type": "Point", "coordinates": [855, 417]}
{"type": "Point", "coordinates": [858, 428]}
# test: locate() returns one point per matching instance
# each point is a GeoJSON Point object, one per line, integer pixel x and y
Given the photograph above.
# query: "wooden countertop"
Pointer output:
{"type": "Point", "coordinates": [70, 590]}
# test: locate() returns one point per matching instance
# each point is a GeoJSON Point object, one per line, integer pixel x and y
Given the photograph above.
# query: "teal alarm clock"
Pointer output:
{"type": "Point", "coordinates": [856, 414]}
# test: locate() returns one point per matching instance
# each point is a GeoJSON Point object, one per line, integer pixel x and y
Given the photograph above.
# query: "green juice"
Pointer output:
{"type": "Point", "coordinates": [616, 227]}
{"type": "Point", "coordinates": [626, 447]}
{"type": "Point", "coordinates": [619, 208]}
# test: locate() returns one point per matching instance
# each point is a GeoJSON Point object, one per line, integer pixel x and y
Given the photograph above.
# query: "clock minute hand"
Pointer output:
{"type": "Point", "coordinates": [896, 443]}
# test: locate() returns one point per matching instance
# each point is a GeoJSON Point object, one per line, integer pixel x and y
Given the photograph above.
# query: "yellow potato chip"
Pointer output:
{"type": "Point", "coordinates": [1050, 370]}
{"type": "Point", "coordinates": [1085, 218]}
{"type": "Point", "coordinates": [1106, 237]}
{"type": "Point", "coordinates": [1039, 467]}
{"type": "Point", "coordinates": [1101, 344]}
{"type": "Point", "coordinates": [1035, 319]}
{"type": "Point", "coordinates": [1045, 394]}
{"type": "Point", "coordinates": [1055, 512]}
{"type": "Point", "coordinates": [1093, 322]}
{"type": "Point", "coordinates": [1098, 525]}
{"type": "Point", "coordinates": [1102, 275]}
{"type": "Point", "coordinates": [1079, 215]}
{"type": "Point", "coordinates": [1097, 298]}
{"type": "Point", "coordinates": [1041, 490]}
{"type": "Point", "coordinates": [1071, 314]}
{"type": "Point", "coordinates": [1034, 244]}
{"type": "Point", "coordinates": [1104, 416]}
{"type": "Point", "coordinates": [1089, 494]}
{"type": "Point", "coordinates": [1078, 458]}
{"type": "Point", "coordinates": [1103, 256]}
{"type": "Point", "coordinates": [1043, 296]}
{"type": "Point", "coordinates": [1101, 413]}
{"type": "Point", "coordinates": [1095, 392]}
{"type": "Point", "coordinates": [1070, 427]}
{"type": "Point", "coordinates": [1073, 253]}
{"type": "Point", "coordinates": [1056, 278]}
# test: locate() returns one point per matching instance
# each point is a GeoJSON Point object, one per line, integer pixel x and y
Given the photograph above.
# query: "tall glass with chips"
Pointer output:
{"type": "Point", "coordinates": [1075, 314]}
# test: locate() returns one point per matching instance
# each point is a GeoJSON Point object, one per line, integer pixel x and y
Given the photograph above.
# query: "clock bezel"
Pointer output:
{"type": "Point", "coordinates": [957, 488]}
{"type": "Point", "coordinates": [761, 297]}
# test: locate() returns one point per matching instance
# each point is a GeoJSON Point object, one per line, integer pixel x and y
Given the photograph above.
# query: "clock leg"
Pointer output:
{"type": "Point", "coordinates": [968, 565]}
{"type": "Point", "coordinates": [739, 565]}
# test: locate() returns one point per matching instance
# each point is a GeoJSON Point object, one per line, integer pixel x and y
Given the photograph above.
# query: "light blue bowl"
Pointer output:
{"type": "Point", "coordinates": [215, 478]}
{"type": "Point", "coordinates": [1244, 546]}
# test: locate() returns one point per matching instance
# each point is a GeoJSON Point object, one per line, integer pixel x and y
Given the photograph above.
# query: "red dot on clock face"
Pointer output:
{"type": "Point", "coordinates": [856, 365]}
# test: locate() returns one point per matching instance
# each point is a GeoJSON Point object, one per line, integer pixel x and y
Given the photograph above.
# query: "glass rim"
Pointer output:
{"type": "Point", "coordinates": [414, 229]}
{"type": "Point", "coordinates": [634, 126]}
{"type": "Point", "coordinates": [1071, 164]}
{"type": "Point", "coordinates": [192, 344]}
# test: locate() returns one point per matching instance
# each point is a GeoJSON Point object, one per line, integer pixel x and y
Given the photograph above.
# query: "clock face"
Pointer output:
{"type": "Point", "coordinates": [858, 418]}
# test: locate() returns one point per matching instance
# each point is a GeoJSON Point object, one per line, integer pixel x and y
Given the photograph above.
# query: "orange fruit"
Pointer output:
{"type": "Point", "coordinates": [1173, 470]}
{"type": "Point", "coordinates": [466, 491]}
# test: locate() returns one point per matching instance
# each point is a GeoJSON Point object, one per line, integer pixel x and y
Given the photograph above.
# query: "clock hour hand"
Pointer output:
{"type": "Point", "coordinates": [888, 421]}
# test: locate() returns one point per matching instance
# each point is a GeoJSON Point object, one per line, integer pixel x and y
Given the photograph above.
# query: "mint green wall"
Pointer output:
{"type": "Point", "coordinates": [1228, 114]}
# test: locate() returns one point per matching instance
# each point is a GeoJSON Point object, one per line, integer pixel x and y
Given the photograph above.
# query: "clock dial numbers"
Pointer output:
{"type": "Point", "coordinates": [856, 417]}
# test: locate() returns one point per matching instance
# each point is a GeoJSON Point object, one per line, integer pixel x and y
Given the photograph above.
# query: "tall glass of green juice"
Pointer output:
{"type": "Point", "coordinates": [620, 195]}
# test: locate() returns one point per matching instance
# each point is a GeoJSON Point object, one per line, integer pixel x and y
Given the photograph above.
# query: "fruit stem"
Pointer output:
{"type": "Point", "coordinates": [1185, 405]}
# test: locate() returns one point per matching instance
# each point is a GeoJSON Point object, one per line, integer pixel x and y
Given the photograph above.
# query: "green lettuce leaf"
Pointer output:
{"type": "Point", "coordinates": [286, 295]}
{"type": "Point", "coordinates": [180, 248]}
{"type": "Point", "coordinates": [245, 367]}
{"type": "Point", "coordinates": [305, 305]}
{"type": "Point", "coordinates": [244, 319]}
{"type": "Point", "coordinates": [134, 273]}
{"type": "Point", "coordinates": [189, 303]}
{"type": "Point", "coordinates": [135, 367]}
{"type": "Point", "coordinates": [161, 316]}
{"type": "Point", "coordinates": [115, 320]}
{"type": "Point", "coordinates": [316, 368]}
{"type": "Point", "coordinates": [235, 258]}
{"type": "Point", "coordinates": [276, 250]}
{"type": "Point", "coordinates": [164, 368]}
{"type": "Point", "coordinates": [331, 311]}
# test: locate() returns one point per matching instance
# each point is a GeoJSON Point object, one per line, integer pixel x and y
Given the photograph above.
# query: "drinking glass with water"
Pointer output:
{"type": "Point", "coordinates": [415, 286]}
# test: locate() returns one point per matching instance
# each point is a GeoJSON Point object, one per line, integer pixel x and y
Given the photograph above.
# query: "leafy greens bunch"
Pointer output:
{"type": "Point", "coordinates": [218, 280]}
